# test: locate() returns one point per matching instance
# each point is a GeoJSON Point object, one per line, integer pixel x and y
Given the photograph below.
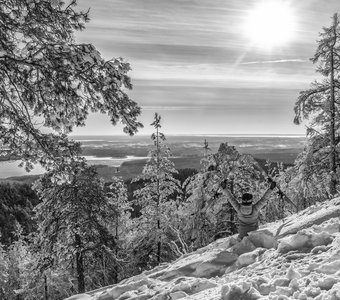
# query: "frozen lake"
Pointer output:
{"type": "Point", "coordinates": [11, 168]}
{"type": "Point", "coordinates": [114, 150]}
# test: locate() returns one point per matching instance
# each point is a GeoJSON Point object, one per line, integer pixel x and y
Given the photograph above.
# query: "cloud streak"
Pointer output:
{"type": "Point", "coordinates": [172, 108]}
{"type": "Point", "coordinates": [278, 61]}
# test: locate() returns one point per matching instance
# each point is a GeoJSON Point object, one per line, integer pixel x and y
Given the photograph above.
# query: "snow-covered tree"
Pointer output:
{"type": "Point", "coordinates": [3, 272]}
{"type": "Point", "coordinates": [16, 267]}
{"type": "Point", "coordinates": [320, 104]}
{"type": "Point", "coordinates": [208, 214]}
{"type": "Point", "coordinates": [20, 277]}
{"type": "Point", "coordinates": [116, 193]}
{"type": "Point", "coordinates": [74, 221]}
{"type": "Point", "coordinates": [303, 185]}
{"type": "Point", "coordinates": [156, 197]}
{"type": "Point", "coordinates": [49, 80]}
{"type": "Point", "coordinates": [114, 267]}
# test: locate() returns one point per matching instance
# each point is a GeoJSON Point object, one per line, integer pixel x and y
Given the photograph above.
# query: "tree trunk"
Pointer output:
{"type": "Point", "coordinates": [332, 156]}
{"type": "Point", "coordinates": [158, 204]}
{"type": "Point", "coordinates": [80, 265]}
{"type": "Point", "coordinates": [45, 286]}
{"type": "Point", "coordinates": [159, 244]}
{"type": "Point", "coordinates": [115, 277]}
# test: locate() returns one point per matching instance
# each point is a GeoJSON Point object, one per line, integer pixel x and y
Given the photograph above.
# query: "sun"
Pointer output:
{"type": "Point", "coordinates": [270, 24]}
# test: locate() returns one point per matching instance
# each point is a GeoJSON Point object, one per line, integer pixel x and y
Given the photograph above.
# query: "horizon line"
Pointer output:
{"type": "Point", "coordinates": [201, 134]}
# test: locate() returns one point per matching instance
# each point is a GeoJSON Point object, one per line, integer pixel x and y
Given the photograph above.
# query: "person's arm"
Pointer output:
{"type": "Point", "coordinates": [259, 204]}
{"type": "Point", "coordinates": [234, 203]}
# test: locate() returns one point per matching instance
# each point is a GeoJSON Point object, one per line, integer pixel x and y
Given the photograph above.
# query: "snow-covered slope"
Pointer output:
{"type": "Point", "coordinates": [302, 261]}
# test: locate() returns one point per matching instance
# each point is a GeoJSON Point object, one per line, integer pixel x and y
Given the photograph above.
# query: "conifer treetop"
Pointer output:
{"type": "Point", "coordinates": [48, 80]}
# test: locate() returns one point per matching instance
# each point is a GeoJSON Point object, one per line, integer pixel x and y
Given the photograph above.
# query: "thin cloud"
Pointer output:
{"type": "Point", "coordinates": [171, 108]}
{"type": "Point", "coordinates": [278, 61]}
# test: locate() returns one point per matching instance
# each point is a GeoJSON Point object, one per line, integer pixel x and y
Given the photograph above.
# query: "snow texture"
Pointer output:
{"type": "Point", "coordinates": [297, 258]}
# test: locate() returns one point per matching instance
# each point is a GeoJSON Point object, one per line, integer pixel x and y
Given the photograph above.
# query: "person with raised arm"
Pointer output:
{"type": "Point", "coordinates": [248, 210]}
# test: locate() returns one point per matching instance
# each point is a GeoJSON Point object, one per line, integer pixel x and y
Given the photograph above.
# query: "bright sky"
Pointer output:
{"type": "Point", "coordinates": [210, 67]}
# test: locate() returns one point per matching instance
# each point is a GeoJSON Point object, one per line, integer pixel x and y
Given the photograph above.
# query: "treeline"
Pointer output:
{"type": "Point", "coordinates": [18, 200]}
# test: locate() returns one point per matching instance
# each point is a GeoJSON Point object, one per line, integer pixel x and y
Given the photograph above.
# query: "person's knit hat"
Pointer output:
{"type": "Point", "coordinates": [247, 199]}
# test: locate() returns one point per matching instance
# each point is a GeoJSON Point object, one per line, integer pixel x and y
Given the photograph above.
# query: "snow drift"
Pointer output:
{"type": "Point", "coordinates": [294, 258]}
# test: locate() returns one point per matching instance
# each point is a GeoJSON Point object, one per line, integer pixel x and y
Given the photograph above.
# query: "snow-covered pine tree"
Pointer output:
{"type": "Point", "coordinates": [156, 199]}
{"type": "Point", "coordinates": [320, 105]}
{"type": "Point", "coordinates": [49, 80]}
{"type": "Point", "coordinates": [302, 185]}
{"type": "Point", "coordinates": [114, 267]}
{"type": "Point", "coordinates": [3, 271]}
{"type": "Point", "coordinates": [210, 215]}
{"type": "Point", "coordinates": [17, 263]}
{"type": "Point", "coordinates": [20, 276]}
{"type": "Point", "coordinates": [74, 218]}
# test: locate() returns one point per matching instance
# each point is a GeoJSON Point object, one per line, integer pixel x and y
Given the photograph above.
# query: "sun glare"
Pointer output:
{"type": "Point", "coordinates": [270, 24]}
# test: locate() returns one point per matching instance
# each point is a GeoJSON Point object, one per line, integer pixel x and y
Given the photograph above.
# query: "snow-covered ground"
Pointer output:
{"type": "Point", "coordinates": [295, 258]}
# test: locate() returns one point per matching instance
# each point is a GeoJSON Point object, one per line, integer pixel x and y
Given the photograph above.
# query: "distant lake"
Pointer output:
{"type": "Point", "coordinates": [12, 169]}
{"type": "Point", "coordinates": [114, 150]}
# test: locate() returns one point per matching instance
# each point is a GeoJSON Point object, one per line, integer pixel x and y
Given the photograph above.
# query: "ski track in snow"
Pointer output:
{"type": "Point", "coordinates": [302, 262]}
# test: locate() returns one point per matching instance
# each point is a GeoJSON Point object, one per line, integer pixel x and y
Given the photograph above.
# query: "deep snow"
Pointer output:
{"type": "Point", "coordinates": [302, 261]}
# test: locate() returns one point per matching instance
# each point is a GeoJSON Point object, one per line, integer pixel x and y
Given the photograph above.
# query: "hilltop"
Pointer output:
{"type": "Point", "coordinates": [294, 258]}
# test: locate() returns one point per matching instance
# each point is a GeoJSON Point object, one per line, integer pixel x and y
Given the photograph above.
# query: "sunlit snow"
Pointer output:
{"type": "Point", "coordinates": [294, 258]}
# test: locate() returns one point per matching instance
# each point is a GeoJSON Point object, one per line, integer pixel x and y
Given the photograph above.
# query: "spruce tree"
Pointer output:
{"type": "Point", "coordinates": [155, 198]}
{"type": "Point", "coordinates": [320, 105]}
{"type": "Point", "coordinates": [120, 227]}
{"type": "Point", "coordinates": [74, 220]}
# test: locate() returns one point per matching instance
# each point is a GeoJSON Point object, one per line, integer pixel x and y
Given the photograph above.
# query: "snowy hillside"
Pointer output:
{"type": "Point", "coordinates": [302, 262]}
